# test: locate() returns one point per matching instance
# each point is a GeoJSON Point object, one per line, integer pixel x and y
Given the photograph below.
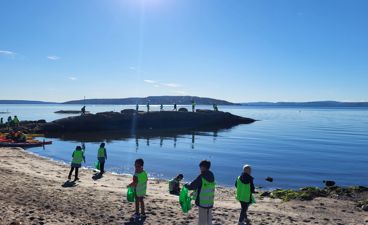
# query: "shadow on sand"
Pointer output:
{"type": "Point", "coordinates": [69, 184]}
{"type": "Point", "coordinates": [133, 221]}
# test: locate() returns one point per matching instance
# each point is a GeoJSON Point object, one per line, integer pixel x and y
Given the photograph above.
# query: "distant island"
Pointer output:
{"type": "Point", "coordinates": [187, 100]}
{"type": "Point", "coordinates": [154, 100]}
{"type": "Point", "coordinates": [24, 102]}
{"type": "Point", "coordinates": [308, 104]}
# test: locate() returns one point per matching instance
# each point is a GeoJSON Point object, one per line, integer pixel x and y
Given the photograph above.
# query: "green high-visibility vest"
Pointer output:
{"type": "Point", "coordinates": [141, 188]}
{"type": "Point", "coordinates": [207, 194]}
{"type": "Point", "coordinates": [101, 153]}
{"type": "Point", "coordinates": [16, 120]}
{"type": "Point", "coordinates": [242, 191]}
{"type": "Point", "coordinates": [77, 157]}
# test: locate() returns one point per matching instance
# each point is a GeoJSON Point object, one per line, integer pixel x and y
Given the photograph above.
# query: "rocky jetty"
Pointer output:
{"type": "Point", "coordinates": [129, 120]}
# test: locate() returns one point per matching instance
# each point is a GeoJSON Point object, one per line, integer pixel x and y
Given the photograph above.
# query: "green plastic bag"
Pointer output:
{"type": "Point", "coordinates": [131, 194]}
{"type": "Point", "coordinates": [185, 200]}
{"type": "Point", "coordinates": [97, 165]}
{"type": "Point", "coordinates": [252, 200]}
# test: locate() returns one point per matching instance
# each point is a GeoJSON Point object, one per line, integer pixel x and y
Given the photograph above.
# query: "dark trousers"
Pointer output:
{"type": "Point", "coordinates": [102, 166]}
{"type": "Point", "coordinates": [243, 212]}
{"type": "Point", "coordinates": [71, 172]}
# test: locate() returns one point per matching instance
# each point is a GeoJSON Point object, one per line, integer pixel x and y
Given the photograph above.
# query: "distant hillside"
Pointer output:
{"type": "Point", "coordinates": [23, 102]}
{"type": "Point", "coordinates": [309, 104]}
{"type": "Point", "coordinates": [154, 100]}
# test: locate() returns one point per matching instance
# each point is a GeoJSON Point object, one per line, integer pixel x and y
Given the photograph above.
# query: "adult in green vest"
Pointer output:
{"type": "Point", "coordinates": [139, 183]}
{"type": "Point", "coordinates": [244, 189]}
{"type": "Point", "coordinates": [78, 158]}
{"type": "Point", "coordinates": [174, 184]}
{"type": "Point", "coordinates": [193, 106]}
{"type": "Point", "coordinates": [204, 185]}
{"type": "Point", "coordinates": [102, 157]}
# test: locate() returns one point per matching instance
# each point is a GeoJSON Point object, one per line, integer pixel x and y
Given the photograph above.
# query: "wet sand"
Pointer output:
{"type": "Point", "coordinates": [33, 190]}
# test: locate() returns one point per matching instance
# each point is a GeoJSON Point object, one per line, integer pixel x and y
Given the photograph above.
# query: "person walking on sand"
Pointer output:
{"type": "Point", "coordinates": [175, 107]}
{"type": "Point", "coordinates": [78, 158]}
{"type": "Point", "coordinates": [244, 189]}
{"type": "Point", "coordinates": [139, 183]}
{"type": "Point", "coordinates": [204, 185]}
{"type": "Point", "coordinates": [102, 157]}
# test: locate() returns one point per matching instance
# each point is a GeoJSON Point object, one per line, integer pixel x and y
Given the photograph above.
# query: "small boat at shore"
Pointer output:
{"type": "Point", "coordinates": [28, 144]}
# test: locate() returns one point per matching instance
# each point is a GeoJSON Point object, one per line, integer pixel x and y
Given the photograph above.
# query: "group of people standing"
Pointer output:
{"type": "Point", "coordinates": [10, 121]}
{"type": "Point", "coordinates": [215, 107]}
{"type": "Point", "coordinates": [203, 186]}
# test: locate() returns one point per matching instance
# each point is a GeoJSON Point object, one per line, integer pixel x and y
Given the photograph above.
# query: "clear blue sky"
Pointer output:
{"type": "Point", "coordinates": [238, 50]}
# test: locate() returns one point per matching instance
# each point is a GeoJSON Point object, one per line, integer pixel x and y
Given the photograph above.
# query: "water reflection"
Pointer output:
{"type": "Point", "coordinates": [145, 136]}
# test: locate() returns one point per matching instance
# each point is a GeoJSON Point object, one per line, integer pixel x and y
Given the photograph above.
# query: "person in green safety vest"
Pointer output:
{"type": "Point", "coordinates": [174, 184]}
{"type": "Point", "coordinates": [204, 185]}
{"type": "Point", "coordinates": [102, 157]}
{"type": "Point", "coordinates": [16, 121]}
{"type": "Point", "coordinates": [78, 158]}
{"type": "Point", "coordinates": [139, 183]}
{"type": "Point", "coordinates": [244, 189]}
{"type": "Point", "coordinates": [193, 106]}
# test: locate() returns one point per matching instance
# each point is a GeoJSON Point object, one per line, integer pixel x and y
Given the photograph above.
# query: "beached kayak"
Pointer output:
{"type": "Point", "coordinates": [28, 144]}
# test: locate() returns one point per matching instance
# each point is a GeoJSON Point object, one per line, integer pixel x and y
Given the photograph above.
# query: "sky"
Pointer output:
{"type": "Point", "coordinates": [236, 50]}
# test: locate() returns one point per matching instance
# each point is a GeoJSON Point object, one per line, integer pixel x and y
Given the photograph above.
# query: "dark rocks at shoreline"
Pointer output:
{"type": "Point", "coordinates": [355, 193]}
{"type": "Point", "coordinates": [24, 126]}
{"type": "Point", "coordinates": [269, 179]}
{"type": "Point", "coordinates": [70, 112]}
{"type": "Point", "coordinates": [329, 183]}
{"type": "Point", "coordinates": [132, 121]}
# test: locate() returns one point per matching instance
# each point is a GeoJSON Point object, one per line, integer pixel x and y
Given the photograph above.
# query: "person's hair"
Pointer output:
{"type": "Point", "coordinates": [206, 164]}
{"type": "Point", "coordinates": [102, 145]}
{"type": "Point", "coordinates": [181, 176]}
{"type": "Point", "coordinates": [246, 166]}
{"type": "Point", "coordinates": [78, 148]}
{"type": "Point", "coordinates": [140, 162]}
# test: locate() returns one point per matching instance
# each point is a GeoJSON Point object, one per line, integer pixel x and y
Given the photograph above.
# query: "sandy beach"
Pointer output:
{"type": "Point", "coordinates": [33, 191]}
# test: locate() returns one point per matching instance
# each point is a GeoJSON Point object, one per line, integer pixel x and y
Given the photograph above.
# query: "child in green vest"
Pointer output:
{"type": "Point", "coordinates": [204, 185]}
{"type": "Point", "coordinates": [78, 158]}
{"type": "Point", "coordinates": [174, 184]}
{"type": "Point", "coordinates": [244, 189]}
{"type": "Point", "coordinates": [139, 183]}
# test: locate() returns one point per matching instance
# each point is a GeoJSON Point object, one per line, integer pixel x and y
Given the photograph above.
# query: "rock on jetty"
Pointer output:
{"type": "Point", "coordinates": [130, 120]}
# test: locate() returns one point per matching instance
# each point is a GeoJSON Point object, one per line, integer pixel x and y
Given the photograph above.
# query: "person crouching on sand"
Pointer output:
{"type": "Point", "coordinates": [244, 189]}
{"type": "Point", "coordinates": [140, 179]}
{"type": "Point", "coordinates": [204, 185]}
{"type": "Point", "coordinates": [78, 158]}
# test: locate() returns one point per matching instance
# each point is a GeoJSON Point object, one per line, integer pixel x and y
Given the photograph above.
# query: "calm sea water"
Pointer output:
{"type": "Point", "coordinates": [296, 146]}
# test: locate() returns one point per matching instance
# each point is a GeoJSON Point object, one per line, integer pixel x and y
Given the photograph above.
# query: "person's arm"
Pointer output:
{"type": "Point", "coordinates": [252, 188]}
{"type": "Point", "coordinates": [134, 183]}
{"type": "Point", "coordinates": [236, 183]}
{"type": "Point", "coordinates": [195, 184]}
